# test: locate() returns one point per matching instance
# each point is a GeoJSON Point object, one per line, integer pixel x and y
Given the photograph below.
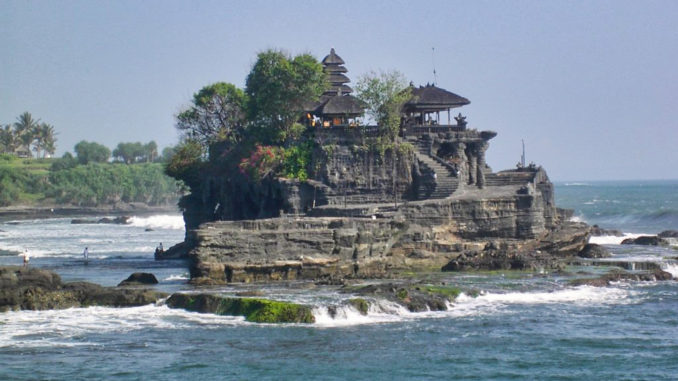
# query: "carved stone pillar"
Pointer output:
{"type": "Point", "coordinates": [472, 166]}
{"type": "Point", "coordinates": [462, 163]}
{"type": "Point", "coordinates": [480, 177]}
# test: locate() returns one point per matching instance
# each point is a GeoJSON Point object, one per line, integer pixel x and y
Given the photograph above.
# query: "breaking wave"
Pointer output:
{"type": "Point", "coordinates": [612, 240]}
{"type": "Point", "coordinates": [175, 222]}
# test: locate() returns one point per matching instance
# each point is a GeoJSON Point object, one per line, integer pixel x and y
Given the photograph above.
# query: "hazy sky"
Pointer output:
{"type": "Point", "coordinates": [591, 86]}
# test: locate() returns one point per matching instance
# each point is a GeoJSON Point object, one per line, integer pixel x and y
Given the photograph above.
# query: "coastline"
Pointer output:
{"type": "Point", "coordinates": [45, 211]}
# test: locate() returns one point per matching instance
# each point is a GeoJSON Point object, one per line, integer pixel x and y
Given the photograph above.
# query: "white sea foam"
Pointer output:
{"type": "Point", "coordinates": [379, 311]}
{"type": "Point", "coordinates": [582, 295]}
{"type": "Point", "coordinates": [612, 240]}
{"type": "Point", "coordinates": [577, 219]}
{"type": "Point", "coordinates": [69, 327]}
{"type": "Point", "coordinates": [159, 222]}
{"type": "Point", "coordinates": [671, 268]}
{"type": "Point", "coordinates": [177, 277]}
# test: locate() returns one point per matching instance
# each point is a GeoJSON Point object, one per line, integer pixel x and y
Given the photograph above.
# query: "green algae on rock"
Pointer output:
{"type": "Point", "coordinates": [253, 309]}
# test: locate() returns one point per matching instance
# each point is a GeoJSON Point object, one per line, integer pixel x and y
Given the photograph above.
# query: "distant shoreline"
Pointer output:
{"type": "Point", "coordinates": [32, 211]}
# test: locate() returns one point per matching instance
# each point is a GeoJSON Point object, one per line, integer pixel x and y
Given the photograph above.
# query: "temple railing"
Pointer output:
{"type": "Point", "coordinates": [418, 129]}
{"type": "Point", "coordinates": [348, 129]}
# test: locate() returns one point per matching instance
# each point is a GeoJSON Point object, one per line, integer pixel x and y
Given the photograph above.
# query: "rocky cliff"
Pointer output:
{"type": "Point", "coordinates": [430, 204]}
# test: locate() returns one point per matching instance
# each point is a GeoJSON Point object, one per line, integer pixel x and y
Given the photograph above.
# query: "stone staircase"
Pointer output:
{"type": "Point", "coordinates": [446, 181]}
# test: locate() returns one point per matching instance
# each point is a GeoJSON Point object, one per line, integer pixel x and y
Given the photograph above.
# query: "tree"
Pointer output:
{"type": "Point", "coordinates": [25, 130]}
{"type": "Point", "coordinates": [43, 139]}
{"type": "Point", "coordinates": [151, 149]}
{"type": "Point", "coordinates": [167, 153]}
{"type": "Point", "coordinates": [278, 87]}
{"type": "Point", "coordinates": [8, 139]}
{"type": "Point", "coordinates": [48, 139]}
{"type": "Point", "coordinates": [217, 114]}
{"type": "Point", "coordinates": [130, 153]}
{"type": "Point", "coordinates": [384, 94]}
{"type": "Point", "coordinates": [186, 163]}
{"type": "Point", "coordinates": [91, 152]}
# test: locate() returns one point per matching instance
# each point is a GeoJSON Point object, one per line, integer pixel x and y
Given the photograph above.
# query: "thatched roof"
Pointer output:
{"type": "Point", "coordinates": [334, 90]}
{"type": "Point", "coordinates": [432, 98]}
{"type": "Point", "coordinates": [335, 69]}
{"type": "Point", "coordinates": [344, 105]}
{"type": "Point", "coordinates": [332, 59]}
{"type": "Point", "coordinates": [338, 78]}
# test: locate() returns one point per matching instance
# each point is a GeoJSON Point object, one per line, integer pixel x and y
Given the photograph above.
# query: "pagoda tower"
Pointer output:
{"type": "Point", "coordinates": [337, 107]}
{"type": "Point", "coordinates": [334, 67]}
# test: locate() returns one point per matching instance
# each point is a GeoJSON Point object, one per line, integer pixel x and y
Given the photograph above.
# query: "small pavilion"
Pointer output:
{"type": "Point", "coordinates": [424, 107]}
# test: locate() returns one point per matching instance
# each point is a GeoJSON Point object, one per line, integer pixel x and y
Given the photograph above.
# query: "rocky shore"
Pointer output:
{"type": "Point", "coordinates": [27, 288]}
{"type": "Point", "coordinates": [55, 211]}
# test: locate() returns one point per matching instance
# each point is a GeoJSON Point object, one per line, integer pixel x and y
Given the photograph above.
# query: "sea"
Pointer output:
{"type": "Point", "coordinates": [522, 325]}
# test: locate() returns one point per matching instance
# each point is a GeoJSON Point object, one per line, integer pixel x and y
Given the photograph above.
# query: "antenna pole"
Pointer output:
{"type": "Point", "coordinates": [522, 158]}
{"type": "Point", "coordinates": [433, 61]}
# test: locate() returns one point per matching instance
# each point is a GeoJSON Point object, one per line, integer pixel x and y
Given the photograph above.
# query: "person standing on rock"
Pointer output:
{"type": "Point", "coordinates": [26, 258]}
{"type": "Point", "coordinates": [85, 254]}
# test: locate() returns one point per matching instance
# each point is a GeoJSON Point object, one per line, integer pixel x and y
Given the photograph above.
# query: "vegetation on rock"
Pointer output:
{"type": "Point", "coordinates": [253, 309]}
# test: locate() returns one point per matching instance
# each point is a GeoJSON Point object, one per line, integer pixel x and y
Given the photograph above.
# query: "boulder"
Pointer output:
{"type": "Point", "coordinates": [139, 279]}
{"type": "Point", "coordinates": [592, 250]}
{"type": "Point", "coordinates": [27, 288]}
{"type": "Point", "coordinates": [616, 276]}
{"type": "Point", "coordinates": [597, 231]}
{"type": "Point", "coordinates": [80, 221]}
{"type": "Point", "coordinates": [253, 309]}
{"type": "Point", "coordinates": [668, 234]}
{"type": "Point", "coordinates": [120, 220]}
{"type": "Point", "coordinates": [647, 240]}
{"type": "Point", "coordinates": [416, 297]}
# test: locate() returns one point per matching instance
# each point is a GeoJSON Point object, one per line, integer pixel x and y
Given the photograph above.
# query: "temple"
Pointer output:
{"type": "Point", "coordinates": [368, 209]}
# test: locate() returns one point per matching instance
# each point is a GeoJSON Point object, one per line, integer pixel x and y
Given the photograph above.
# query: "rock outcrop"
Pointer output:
{"type": "Point", "coordinates": [34, 289]}
{"type": "Point", "coordinates": [616, 276]}
{"type": "Point", "coordinates": [254, 310]}
{"type": "Point", "coordinates": [593, 250]}
{"type": "Point", "coordinates": [137, 279]}
{"type": "Point", "coordinates": [428, 203]}
{"type": "Point", "coordinates": [648, 240]}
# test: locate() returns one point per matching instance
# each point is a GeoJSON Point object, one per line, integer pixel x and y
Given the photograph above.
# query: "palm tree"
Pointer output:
{"type": "Point", "coordinates": [8, 139]}
{"type": "Point", "coordinates": [46, 139]}
{"type": "Point", "coordinates": [25, 129]}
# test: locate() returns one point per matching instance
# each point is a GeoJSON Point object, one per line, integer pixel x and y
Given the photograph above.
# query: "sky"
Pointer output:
{"type": "Point", "coordinates": [590, 86]}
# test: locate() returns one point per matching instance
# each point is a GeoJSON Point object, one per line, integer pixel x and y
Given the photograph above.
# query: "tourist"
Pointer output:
{"type": "Point", "coordinates": [85, 254]}
{"type": "Point", "coordinates": [26, 258]}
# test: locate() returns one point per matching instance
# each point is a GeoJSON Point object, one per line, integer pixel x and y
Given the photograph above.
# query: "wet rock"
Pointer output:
{"type": "Point", "coordinates": [178, 251]}
{"type": "Point", "coordinates": [616, 276]}
{"type": "Point", "coordinates": [139, 279]}
{"type": "Point", "coordinates": [668, 234]}
{"type": "Point", "coordinates": [648, 240]}
{"type": "Point", "coordinates": [121, 220]}
{"type": "Point", "coordinates": [254, 310]}
{"type": "Point", "coordinates": [597, 231]}
{"type": "Point", "coordinates": [592, 250]}
{"type": "Point", "coordinates": [416, 297]}
{"type": "Point", "coordinates": [35, 289]}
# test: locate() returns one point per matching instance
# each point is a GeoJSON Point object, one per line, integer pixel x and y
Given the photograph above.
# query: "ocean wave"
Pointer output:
{"type": "Point", "coordinates": [57, 327]}
{"type": "Point", "coordinates": [177, 277]}
{"type": "Point", "coordinates": [576, 184]}
{"type": "Point", "coordinates": [613, 240]}
{"type": "Point", "coordinates": [671, 268]}
{"type": "Point", "coordinates": [175, 222]}
{"type": "Point", "coordinates": [379, 311]}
